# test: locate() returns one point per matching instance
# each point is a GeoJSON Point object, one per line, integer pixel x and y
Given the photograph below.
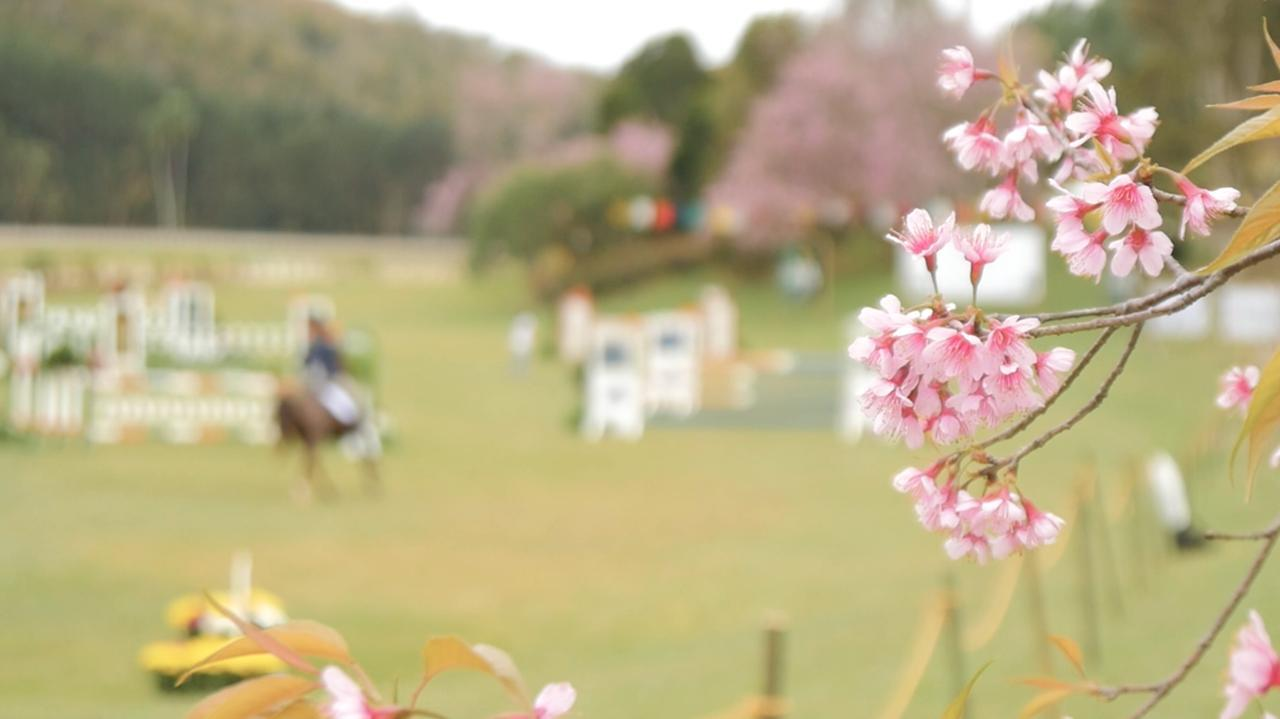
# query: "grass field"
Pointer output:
{"type": "Point", "coordinates": [638, 571]}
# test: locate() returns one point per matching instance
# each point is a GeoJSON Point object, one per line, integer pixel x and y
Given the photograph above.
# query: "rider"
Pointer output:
{"type": "Point", "coordinates": [324, 377]}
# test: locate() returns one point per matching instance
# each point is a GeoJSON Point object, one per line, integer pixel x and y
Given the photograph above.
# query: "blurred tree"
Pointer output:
{"type": "Point", "coordinates": [660, 82]}
{"type": "Point", "coordinates": [168, 126]}
{"type": "Point", "coordinates": [535, 209]}
{"type": "Point", "coordinates": [829, 134]}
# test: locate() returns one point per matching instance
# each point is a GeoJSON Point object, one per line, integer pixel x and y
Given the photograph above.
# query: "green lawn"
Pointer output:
{"type": "Point", "coordinates": [640, 572]}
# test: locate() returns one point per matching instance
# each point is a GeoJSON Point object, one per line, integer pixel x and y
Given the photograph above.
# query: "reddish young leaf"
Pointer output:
{"type": "Point", "coordinates": [305, 638]}
{"type": "Point", "coordinates": [1257, 102]}
{"type": "Point", "coordinates": [1070, 650]}
{"type": "Point", "coordinates": [264, 640]}
{"type": "Point", "coordinates": [252, 697]}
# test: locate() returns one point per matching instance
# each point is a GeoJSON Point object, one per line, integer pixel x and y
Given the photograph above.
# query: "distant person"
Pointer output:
{"type": "Point", "coordinates": [521, 339]}
{"type": "Point", "coordinates": [324, 377]}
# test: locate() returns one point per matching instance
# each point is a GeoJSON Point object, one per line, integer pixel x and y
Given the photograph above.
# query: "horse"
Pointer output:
{"type": "Point", "coordinates": [301, 418]}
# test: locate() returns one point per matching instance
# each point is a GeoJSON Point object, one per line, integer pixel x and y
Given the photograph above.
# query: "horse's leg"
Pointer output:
{"type": "Point", "coordinates": [372, 477]}
{"type": "Point", "coordinates": [316, 477]}
{"type": "Point", "coordinates": [303, 492]}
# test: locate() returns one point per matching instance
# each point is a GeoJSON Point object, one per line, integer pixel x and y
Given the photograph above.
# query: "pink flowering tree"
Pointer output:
{"type": "Point", "coordinates": [826, 133]}
{"type": "Point", "coordinates": [967, 381]}
{"type": "Point", "coordinates": [337, 687]}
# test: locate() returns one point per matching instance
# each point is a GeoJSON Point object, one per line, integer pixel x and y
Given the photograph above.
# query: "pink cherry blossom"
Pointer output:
{"type": "Point", "coordinates": [1147, 248]}
{"type": "Point", "coordinates": [1010, 389]}
{"type": "Point", "coordinates": [1004, 201]}
{"type": "Point", "coordinates": [1050, 365]}
{"type": "Point", "coordinates": [1040, 529]}
{"type": "Point", "coordinates": [955, 71]}
{"type": "Point", "coordinates": [555, 700]}
{"type": "Point", "coordinates": [1236, 387]}
{"type": "Point", "coordinates": [1204, 206]}
{"type": "Point", "coordinates": [980, 246]}
{"type": "Point", "coordinates": [1001, 511]}
{"type": "Point", "coordinates": [347, 700]}
{"type": "Point", "coordinates": [1123, 136]}
{"type": "Point", "coordinates": [959, 546]}
{"type": "Point", "coordinates": [1087, 68]}
{"type": "Point", "coordinates": [1123, 201]}
{"type": "Point", "coordinates": [936, 509]}
{"type": "Point", "coordinates": [976, 146]}
{"type": "Point", "coordinates": [1006, 340]}
{"type": "Point", "coordinates": [1027, 140]}
{"type": "Point", "coordinates": [1069, 210]}
{"type": "Point", "coordinates": [1084, 251]}
{"type": "Point", "coordinates": [1141, 127]}
{"type": "Point", "coordinates": [915, 483]}
{"type": "Point", "coordinates": [1059, 90]}
{"type": "Point", "coordinates": [881, 350]}
{"type": "Point", "coordinates": [954, 352]}
{"type": "Point", "coordinates": [1254, 668]}
{"type": "Point", "coordinates": [921, 238]}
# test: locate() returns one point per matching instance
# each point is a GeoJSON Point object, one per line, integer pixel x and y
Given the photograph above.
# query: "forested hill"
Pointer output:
{"type": "Point", "coordinates": [239, 113]}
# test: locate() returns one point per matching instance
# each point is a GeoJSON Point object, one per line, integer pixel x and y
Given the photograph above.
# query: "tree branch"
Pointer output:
{"type": "Point", "coordinates": [1161, 689]}
{"type": "Point", "coordinates": [1033, 415]}
{"type": "Point", "coordinates": [1209, 283]}
{"type": "Point", "coordinates": [1093, 403]}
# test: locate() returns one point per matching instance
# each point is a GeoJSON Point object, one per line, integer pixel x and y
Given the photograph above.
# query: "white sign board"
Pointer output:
{"type": "Point", "coordinates": [614, 392]}
{"type": "Point", "coordinates": [1249, 313]}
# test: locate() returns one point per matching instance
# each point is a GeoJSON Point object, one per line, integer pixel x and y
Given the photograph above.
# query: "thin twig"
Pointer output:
{"type": "Point", "coordinates": [1032, 416]}
{"type": "Point", "coordinates": [1210, 283]}
{"type": "Point", "coordinates": [1159, 690]}
{"type": "Point", "coordinates": [1128, 306]}
{"type": "Point", "coordinates": [1093, 403]}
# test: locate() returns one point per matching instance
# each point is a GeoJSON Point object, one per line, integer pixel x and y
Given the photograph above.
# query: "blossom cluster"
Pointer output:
{"type": "Point", "coordinates": [944, 376]}
{"type": "Point", "coordinates": [1073, 119]}
{"type": "Point", "coordinates": [992, 526]}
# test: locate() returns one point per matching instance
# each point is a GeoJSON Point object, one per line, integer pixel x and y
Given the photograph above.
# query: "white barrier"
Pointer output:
{"type": "Point", "coordinates": [615, 401]}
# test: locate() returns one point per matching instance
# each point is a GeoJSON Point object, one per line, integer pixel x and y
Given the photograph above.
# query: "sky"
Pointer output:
{"type": "Point", "coordinates": [601, 34]}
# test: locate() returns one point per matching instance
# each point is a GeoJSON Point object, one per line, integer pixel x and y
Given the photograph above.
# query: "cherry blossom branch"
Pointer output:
{"type": "Point", "coordinates": [1177, 199]}
{"type": "Point", "coordinates": [1161, 689]}
{"type": "Point", "coordinates": [1194, 291]}
{"type": "Point", "coordinates": [1033, 415]}
{"type": "Point", "coordinates": [1093, 403]}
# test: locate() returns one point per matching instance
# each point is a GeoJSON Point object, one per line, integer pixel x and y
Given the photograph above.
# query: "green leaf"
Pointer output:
{"type": "Point", "coordinates": [252, 697]}
{"type": "Point", "coordinates": [1070, 650]}
{"type": "Point", "coordinates": [955, 710]}
{"type": "Point", "coordinates": [303, 637]}
{"type": "Point", "coordinates": [1261, 420]}
{"type": "Point", "coordinates": [442, 654]}
{"type": "Point", "coordinates": [264, 640]}
{"type": "Point", "coordinates": [1258, 127]}
{"type": "Point", "coordinates": [1257, 102]}
{"type": "Point", "coordinates": [1259, 226]}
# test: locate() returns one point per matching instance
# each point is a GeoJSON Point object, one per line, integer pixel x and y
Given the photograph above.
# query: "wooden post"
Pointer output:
{"type": "Point", "coordinates": [771, 702]}
{"type": "Point", "coordinates": [955, 636]}
{"type": "Point", "coordinates": [1110, 567]}
{"type": "Point", "coordinates": [1088, 600]}
{"type": "Point", "coordinates": [1039, 619]}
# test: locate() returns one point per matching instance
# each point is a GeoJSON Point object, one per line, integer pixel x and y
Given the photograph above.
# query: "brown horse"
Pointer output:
{"type": "Point", "coordinates": [303, 419]}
